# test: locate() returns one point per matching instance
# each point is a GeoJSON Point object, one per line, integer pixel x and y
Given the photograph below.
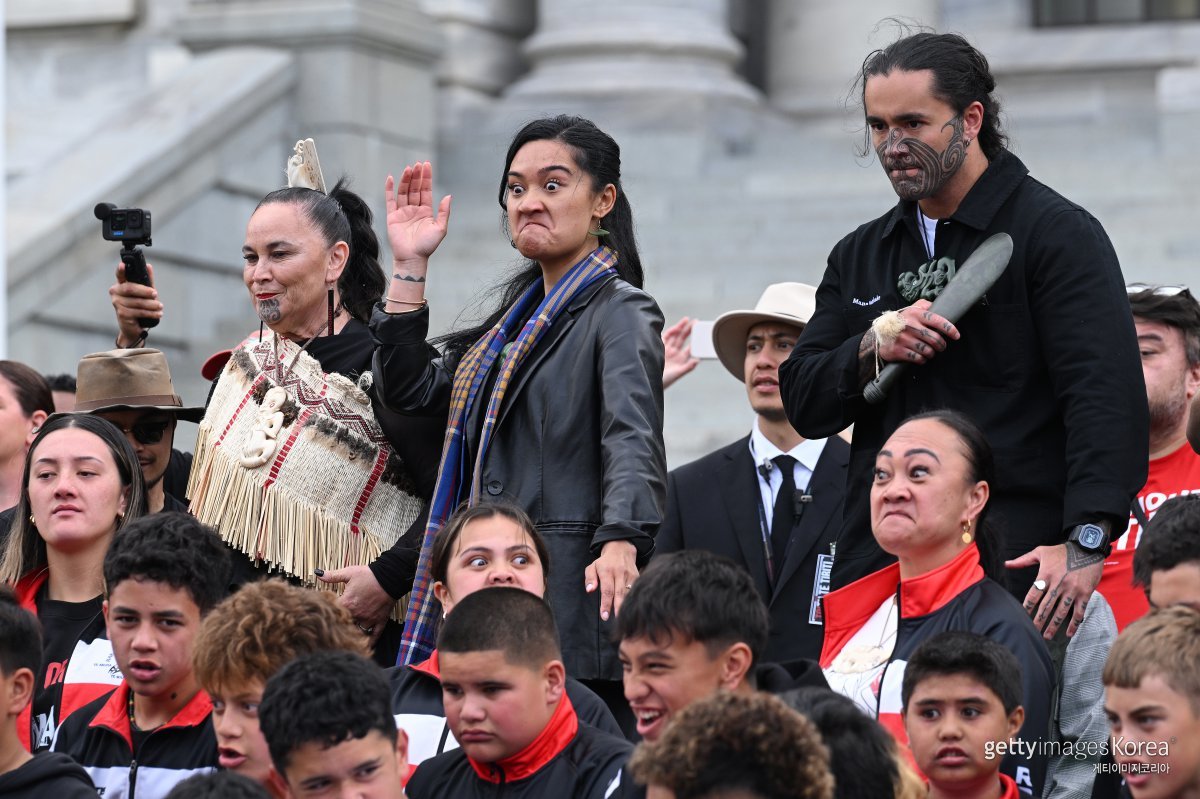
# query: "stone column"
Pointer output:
{"type": "Point", "coordinates": [619, 48]}
{"type": "Point", "coordinates": [482, 39]}
{"type": "Point", "coordinates": [364, 74]}
{"type": "Point", "coordinates": [815, 47]}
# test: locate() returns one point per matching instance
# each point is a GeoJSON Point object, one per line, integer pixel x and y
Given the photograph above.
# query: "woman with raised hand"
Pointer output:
{"type": "Point", "coordinates": [81, 485]}
{"type": "Point", "coordinates": [555, 400]}
{"type": "Point", "coordinates": [297, 463]}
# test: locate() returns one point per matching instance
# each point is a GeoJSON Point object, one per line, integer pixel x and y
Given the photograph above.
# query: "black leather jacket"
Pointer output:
{"type": "Point", "coordinates": [578, 442]}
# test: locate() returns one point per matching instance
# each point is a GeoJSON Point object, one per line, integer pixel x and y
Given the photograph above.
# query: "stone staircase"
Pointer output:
{"type": "Point", "coordinates": [719, 217]}
{"type": "Point", "coordinates": [190, 110]}
{"type": "Point", "coordinates": [728, 197]}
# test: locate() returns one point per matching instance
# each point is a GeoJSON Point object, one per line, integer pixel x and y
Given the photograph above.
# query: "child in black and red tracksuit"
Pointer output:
{"type": "Point", "coordinates": [503, 686]}
{"type": "Point", "coordinates": [330, 731]}
{"type": "Point", "coordinates": [961, 698]}
{"type": "Point", "coordinates": [163, 573]}
{"type": "Point", "coordinates": [22, 775]}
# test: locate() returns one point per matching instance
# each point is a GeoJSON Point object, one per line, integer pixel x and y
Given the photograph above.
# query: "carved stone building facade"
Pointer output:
{"type": "Point", "coordinates": [737, 122]}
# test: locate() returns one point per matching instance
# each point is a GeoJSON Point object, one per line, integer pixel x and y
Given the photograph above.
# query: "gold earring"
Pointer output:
{"type": "Point", "coordinates": [966, 528]}
{"type": "Point", "coordinates": [32, 520]}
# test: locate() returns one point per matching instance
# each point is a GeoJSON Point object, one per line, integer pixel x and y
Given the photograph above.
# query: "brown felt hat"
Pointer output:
{"type": "Point", "coordinates": [788, 303]}
{"type": "Point", "coordinates": [137, 379]}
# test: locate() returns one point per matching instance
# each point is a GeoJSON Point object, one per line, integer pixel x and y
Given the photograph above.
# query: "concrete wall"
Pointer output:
{"type": "Point", "coordinates": [190, 108]}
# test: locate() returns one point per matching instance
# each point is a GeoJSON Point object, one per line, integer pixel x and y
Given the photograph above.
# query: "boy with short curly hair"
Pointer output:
{"type": "Point", "coordinates": [752, 746]}
{"type": "Point", "coordinates": [243, 643]}
{"type": "Point", "coordinates": [328, 723]}
{"type": "Point", "coordinates": [163, 573]}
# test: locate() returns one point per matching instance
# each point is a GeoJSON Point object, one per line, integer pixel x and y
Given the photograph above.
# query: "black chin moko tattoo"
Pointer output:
{"type": "Point", "coordinates": [268, 310]}
{"type": "Point", "coordinates": [933, 168]}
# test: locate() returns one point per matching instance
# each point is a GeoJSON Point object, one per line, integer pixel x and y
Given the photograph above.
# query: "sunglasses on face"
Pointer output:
{"type": "Point", "coordinates": [150, 432]}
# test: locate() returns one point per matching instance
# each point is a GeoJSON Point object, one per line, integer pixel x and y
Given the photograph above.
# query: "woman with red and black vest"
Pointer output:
{"type": "Point", "coordinates": [928, 501]}
{"type": "Point", "coordinates": [82, 484]}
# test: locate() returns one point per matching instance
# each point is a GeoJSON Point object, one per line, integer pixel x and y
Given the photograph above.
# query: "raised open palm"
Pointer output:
{"type": "Point", "coordinates": [413, 230]}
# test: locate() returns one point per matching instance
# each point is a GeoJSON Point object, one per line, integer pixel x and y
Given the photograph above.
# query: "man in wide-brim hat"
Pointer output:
{"type": "Point", "coordinates": [771, 501]}
{"type": "Point", "coordinates": [132, 389]}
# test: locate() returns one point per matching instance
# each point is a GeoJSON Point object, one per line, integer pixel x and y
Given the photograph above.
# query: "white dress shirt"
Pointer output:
{"type": "Point", "coordinates": [762, 451]}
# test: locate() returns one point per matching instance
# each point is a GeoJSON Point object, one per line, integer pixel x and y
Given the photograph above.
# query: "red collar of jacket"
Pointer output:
{"type": "Point", "coordinates": [114, 715]}
{"type": "Point", "coordinates": [429, 666]}
{"type": "Point", "coordinates": [554, 738]}
{"type": "Point", "coordinates": [1008, 788]}
{"type": "Point", "coordinates": [26, 593]}
{"type": "Point", "coordinates": [848, 608]}
{"type": "Point", "coordinates": [27, 587]}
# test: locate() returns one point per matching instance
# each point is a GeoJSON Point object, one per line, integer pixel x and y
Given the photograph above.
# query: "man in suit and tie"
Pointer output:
{"type": "Point", "coordinates": [771, 501]}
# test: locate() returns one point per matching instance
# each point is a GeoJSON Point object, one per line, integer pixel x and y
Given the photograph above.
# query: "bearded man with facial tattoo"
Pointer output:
{"type": "Point", "coordinates": [1046, 362]}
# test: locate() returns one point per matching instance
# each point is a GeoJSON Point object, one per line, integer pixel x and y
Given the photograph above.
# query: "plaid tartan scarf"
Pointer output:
{"type": "Point", "coordinates": [420, 621]}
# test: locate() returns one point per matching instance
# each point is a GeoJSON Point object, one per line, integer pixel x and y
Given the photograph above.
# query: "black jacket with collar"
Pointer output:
{"type": "Point", "coordinates": [99, 738]}
{"type": "Point", "coordinates": [714, 504]}
{"type": "Point", "coordinates": [420, 712]}
{"type": "Point", "coordinates": [1047, 363]}
{"type": "Point", "coordinates": [567, 759]}
{"type": "Point", "coordinates": [48, 775]}
{"type": "Point", "coordinates": [578, 442]}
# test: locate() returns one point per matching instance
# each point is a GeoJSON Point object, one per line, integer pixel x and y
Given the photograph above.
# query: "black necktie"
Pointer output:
{"type": "Point", "coordinates": [784, 515]}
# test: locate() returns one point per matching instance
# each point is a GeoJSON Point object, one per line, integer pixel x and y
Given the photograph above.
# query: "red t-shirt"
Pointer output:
{"type": "Point", "coordinates": [1170, 476]}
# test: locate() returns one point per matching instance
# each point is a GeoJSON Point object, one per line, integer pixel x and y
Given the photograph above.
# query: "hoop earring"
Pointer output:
{"type": "Point", "coordinates": [966, 532]}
